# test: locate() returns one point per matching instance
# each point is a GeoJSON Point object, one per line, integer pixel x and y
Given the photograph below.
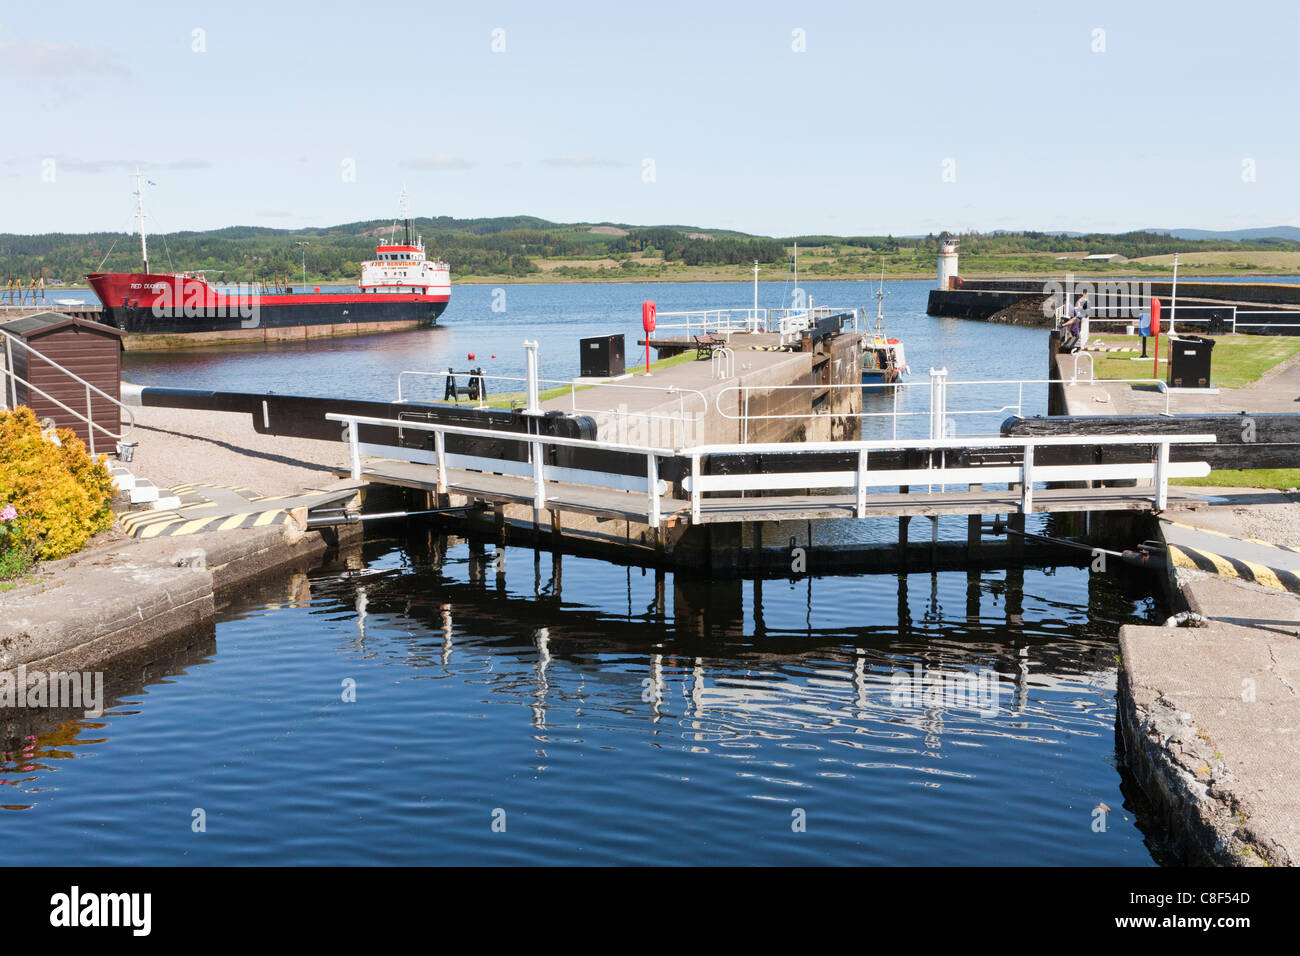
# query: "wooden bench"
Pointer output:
{"type": "Point", "coordinates": [704, 345]}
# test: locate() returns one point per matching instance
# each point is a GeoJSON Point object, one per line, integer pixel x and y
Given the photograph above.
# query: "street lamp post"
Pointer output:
{"type": "Point", "coordinates": [304, 264]}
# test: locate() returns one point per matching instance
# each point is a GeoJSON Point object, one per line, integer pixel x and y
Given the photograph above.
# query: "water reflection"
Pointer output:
{"type": "Point", "coordinates": [608, 706]}
{"type": "Point", "coordinates": [33, 742]}
{"type": "Point", "coordinates": [708, 654]}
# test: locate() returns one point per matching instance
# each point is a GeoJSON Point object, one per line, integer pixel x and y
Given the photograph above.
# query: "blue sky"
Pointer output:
{"type": "Point", "coordinates": [849, 136]}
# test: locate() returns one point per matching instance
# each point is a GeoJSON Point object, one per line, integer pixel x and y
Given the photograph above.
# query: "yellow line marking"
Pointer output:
{"type": "Point", "coordinates": [265, 518]}
{"type": "Point", "coordinates": [1192, 527]}
{"type": "Point", "coordinates": [153, 530]}
{"type": "Point", "coordinates": [1223, 534]}
{"type": "Point", "coordinates": [234, 521]}
{"type": "Point", "coordinates": [1181, 558]}
{"type": "Point", "coordinates": [1264, 576]}
{"type": "Point", "coordinates": [1224, 566]}
{"type": "Point", "coordinates": [189, 527]}
{"type": "Point", "coordinates": [148, 517]}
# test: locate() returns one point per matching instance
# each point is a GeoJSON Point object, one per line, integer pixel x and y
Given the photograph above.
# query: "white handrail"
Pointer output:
{"type": "Point", "coordinates": [941, 444]}
{"type": "Point", "coordinates": [1023, 474]}
{"type": "Point", "coordinates": [898, 388]}
{"type": "Point", "coordinates": [654, 491]}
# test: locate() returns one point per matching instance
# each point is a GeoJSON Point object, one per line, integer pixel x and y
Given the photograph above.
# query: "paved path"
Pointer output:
{"type": "Point", "coordinates": [1278, 390]}
{"type": "Point", "coordinates": [185, 446]}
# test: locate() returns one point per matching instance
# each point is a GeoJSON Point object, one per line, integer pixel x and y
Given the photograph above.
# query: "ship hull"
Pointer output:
{"type": "Point", "coordinates": [362, 312]}
{"type": "Point", "coordinates": [171, 306]}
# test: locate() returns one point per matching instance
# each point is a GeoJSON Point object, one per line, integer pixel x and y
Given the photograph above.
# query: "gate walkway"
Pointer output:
{"type": "Point", "coordinates": [735, 484]}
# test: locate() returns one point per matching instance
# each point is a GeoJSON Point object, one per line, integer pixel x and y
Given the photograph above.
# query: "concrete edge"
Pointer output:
{"type": "Point", "coordinates": [137, 592]}
{"type": "Point", "coordinates": [1189, 787]}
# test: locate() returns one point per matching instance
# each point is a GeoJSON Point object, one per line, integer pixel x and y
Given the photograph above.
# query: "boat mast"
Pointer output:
{"type": "Point", "coordinates": [796, 269]}
{"type": "Point", "coordinates": [880, 303]}
{"type": "Point", "coordinates": [139, 197]}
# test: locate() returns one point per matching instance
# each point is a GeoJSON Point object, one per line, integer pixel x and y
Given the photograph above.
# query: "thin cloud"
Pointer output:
{"type": "Point", "coordinates": [580, 160]}
{"type": "Point", "coordinates": [57, 61]}
{"type": "Point", "coordinates": [437, 161]}
{"type": "Point", "coordinates": [129, 165]}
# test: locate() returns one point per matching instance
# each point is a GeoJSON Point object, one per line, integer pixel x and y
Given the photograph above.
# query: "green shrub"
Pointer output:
{"type": "Point", "coordinates": [59, 494]}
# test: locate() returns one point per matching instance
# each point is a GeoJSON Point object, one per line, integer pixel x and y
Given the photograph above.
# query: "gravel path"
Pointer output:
{"type": "Point", "coordinates": [179, 446]}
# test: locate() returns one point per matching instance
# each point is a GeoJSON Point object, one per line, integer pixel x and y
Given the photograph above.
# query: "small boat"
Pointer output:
{"type": "Point", "coordinates": [883, 359]}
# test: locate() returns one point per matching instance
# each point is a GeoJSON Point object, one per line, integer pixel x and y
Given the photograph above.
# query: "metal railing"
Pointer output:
{"type": "Point", "coordinates": [937, 409]}
{"type": "Point", "coordinates": [9, 392]}
{"type": "Point", "coordinates": [681, 419]}
{"type": "Point", "coordinates": [1234, 317]}
{"type": "Point", "coordinates": [722, 363]}
{"type": "Point", "coordinates": [535, 468]}
{"type": "Point", "coordinates": [786, 322]}
{"type": "Point", "coordinates": [711, 321]}
{"type": "Point", "coordinates": [1021, 475]}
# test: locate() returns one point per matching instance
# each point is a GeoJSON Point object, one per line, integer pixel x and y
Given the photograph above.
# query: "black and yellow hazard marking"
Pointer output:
{"type": "Point", "coordinates": [1279, 579]}
{"type": "Point", "coordinates": [234, 506]}
{"type": "Point", "coordinates": [157, 524]}
{"type": "Point", "coordinates": [1221, 534]}
{"type": "Point", "coordinates": [195, 486]}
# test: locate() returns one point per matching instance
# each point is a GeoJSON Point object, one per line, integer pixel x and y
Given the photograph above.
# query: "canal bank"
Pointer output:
{"type": "Point", "coordinates": [79, 613]}
{"type": "Point", "coordinates": [1209, 703]}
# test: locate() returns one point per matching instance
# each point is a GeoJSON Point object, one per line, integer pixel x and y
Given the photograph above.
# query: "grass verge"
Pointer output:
{"type": "Point", "coordinates": [1279, 479]}
{"type": "Point", "coordinates": [1237, 360]}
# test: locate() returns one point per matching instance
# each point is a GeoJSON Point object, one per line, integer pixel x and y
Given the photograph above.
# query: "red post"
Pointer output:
{"type": "Point", "coordinates": [647, 323]}
{"type": "Point", "coordinates": [1155, 330]}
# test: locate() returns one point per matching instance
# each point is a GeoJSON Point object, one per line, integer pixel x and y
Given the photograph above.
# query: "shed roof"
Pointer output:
{"type": "Point", "coordinates": [43, 322]}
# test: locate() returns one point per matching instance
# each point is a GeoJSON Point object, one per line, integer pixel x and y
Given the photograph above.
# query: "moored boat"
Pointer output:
{"type": "Point", "coordinates": [883, 358]}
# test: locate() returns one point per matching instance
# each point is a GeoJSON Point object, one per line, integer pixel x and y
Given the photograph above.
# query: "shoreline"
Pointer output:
{"type": "Point", "coordinates": [545, 279]}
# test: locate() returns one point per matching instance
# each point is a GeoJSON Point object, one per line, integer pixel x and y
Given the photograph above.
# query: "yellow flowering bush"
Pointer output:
{"type": "Point", "coordinates": [58, 494]}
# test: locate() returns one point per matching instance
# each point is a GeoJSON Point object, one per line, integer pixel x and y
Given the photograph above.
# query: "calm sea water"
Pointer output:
{"type": "Point", "coordinates": [599, 713]}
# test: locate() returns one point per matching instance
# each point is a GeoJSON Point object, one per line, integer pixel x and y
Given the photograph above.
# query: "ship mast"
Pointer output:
{"type": "Point", "coordinates": [139, 197]}
{"type": "Point", "coordinates": [406, 215]}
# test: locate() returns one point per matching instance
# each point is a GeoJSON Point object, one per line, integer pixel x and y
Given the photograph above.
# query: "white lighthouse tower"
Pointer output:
{"type": "Point", "coordinates": [947, 262]}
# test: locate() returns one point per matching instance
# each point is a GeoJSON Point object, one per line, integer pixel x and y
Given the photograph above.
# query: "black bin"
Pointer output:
{"type": "Point", "coordinates": [602, 356]}
{"type": "Point", "coordinates": [1189, 361]}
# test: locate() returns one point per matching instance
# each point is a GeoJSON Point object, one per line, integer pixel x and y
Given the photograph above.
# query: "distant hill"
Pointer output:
{"type": "Point", "coordinates": [520, 247]}
{"type": "Point", "coordinates": [1235, 235]}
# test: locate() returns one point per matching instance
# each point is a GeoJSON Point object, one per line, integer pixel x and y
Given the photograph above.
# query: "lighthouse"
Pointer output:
{"type": "Point", "coordinates": [947, 262]}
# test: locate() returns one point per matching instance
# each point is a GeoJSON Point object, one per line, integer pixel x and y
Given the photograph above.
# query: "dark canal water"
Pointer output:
{"type": "Point", "coordinates": [519, 708]}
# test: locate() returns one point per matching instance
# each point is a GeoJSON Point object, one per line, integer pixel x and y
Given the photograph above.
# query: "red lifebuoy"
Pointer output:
{"type": "Point", "coordinates": [648, 316]}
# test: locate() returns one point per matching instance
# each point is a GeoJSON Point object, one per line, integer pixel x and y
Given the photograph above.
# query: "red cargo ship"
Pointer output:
{"type": "Point", "coordinates": [399, 288]}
